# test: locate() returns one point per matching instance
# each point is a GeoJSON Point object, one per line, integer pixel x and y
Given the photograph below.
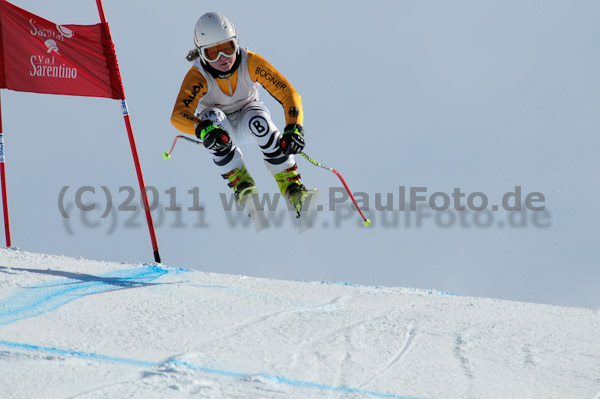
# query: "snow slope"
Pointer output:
{"type": "Point", "coordinates": [75, 328]}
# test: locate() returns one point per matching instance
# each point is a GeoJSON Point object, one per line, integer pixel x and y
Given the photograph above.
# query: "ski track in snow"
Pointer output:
{"type": "Point", "coordinates": [345, 333]}
{"type": "Point", "coordinates": [103, 388]}
{"type": "Point", "coordinates": [409, 337]}
{"type": "Point", "coordinates": [461, 355]}
{"type": "Point", "coordinates": [528, 357]}
{"type": "Point", "coordinates": [237, 328]}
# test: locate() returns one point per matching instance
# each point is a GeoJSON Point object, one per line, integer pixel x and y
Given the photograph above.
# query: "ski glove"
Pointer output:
{"type": "Point", "coordinates": [214, 138]}
{"type": "Point", "coordinates": [292, 141]}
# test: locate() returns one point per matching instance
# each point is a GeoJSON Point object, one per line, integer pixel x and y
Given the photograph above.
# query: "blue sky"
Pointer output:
{"type": "Point", "coordinates": [477, 95]}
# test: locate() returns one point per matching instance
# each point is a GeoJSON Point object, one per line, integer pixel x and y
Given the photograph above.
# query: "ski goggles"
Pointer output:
{"type": "Point", "coordinates": [212, 53]}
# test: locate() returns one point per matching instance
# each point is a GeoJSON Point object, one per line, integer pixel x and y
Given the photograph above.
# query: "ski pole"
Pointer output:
{"type": "Point", "coordinates": [366, 222]}
{"type": "Point", "coordinates": [167, 154]}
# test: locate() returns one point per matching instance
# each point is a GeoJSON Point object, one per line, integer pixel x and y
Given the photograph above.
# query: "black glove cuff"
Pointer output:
{"type": "Point", "coordinates": [294, 128]}
{"type": "Point", "coordinates": [201, 126]}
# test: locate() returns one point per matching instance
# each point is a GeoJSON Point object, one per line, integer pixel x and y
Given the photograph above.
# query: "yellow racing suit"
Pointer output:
{"type": "Point", "coordinates": [231, 93]}
{"type": "Point", "coordinates": [231, 102]}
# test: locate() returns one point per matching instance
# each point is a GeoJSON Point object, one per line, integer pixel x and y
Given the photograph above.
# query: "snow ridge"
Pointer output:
{"type": "Point", "coordinates": [87, 329]}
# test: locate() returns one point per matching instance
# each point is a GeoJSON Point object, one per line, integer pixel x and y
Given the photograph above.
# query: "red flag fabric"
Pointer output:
{"type": "Point", "coordinates": [39, 56]}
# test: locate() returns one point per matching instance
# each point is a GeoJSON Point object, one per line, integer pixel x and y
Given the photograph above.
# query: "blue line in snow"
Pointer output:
{"type": "Point", "coordinates": [39, 299]}
{"type": "Point", "coordinates": [345, 284]}
{"type": "Point", "coordinates": [141, 363]}
{"type": "Point", "coordinates": [343, 389]}
{"type": "Point", "coordinates": [81, 355]}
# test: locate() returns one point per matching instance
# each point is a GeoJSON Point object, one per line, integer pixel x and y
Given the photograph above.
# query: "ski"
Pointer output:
{"type": "Point", "coordinates": [307, 214]}
{"type": "Point", "coordinates": [255, 211]}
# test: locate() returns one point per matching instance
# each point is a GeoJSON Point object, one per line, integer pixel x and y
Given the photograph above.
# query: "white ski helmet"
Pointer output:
{"type": "Point", "coordinates": [213, 28]}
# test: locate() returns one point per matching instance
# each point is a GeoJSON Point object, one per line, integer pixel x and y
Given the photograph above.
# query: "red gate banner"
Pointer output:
{"type": "Point", "coordinates": [39, 56]}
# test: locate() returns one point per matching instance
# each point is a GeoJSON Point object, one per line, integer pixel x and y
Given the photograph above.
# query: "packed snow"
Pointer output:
{"type": "Point", "coordinates": [76, 328]}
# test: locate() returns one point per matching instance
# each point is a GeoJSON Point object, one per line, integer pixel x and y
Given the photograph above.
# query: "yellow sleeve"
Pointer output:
{"type": "Point", "coordinates": [277, 85]}
{"type": "Point", "coordinates": [193, 88]}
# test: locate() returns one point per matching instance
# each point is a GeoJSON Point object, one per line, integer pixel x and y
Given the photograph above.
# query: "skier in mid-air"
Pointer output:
{"type": "Point", "coordinates": [219, 103]}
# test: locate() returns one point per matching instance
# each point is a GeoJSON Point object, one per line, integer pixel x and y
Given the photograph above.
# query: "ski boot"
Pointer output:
{"type": "Point", "coordinates": [241, 182]}
{"type": "Point", "coordinates": [246, 195]}
{"type": "Point", "coordinates": [292, 188]}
